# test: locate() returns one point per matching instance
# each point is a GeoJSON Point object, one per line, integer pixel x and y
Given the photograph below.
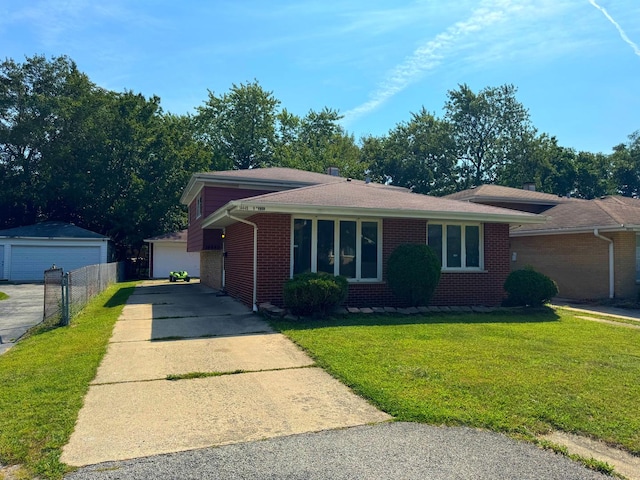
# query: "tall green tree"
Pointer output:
{"type": "Point", "coordinates": [626, 166]}
{"type": "Point", "coordinates": [489, 128]}
{"type": "Point", "coordinates": [419, 154]}
{"type": "Point", "coordinates": [593, 175]}
{"type": "Point", "coordinates": [71, 151]}
{"type": "Point", "coordinates": [239, 126]}
{"type": "Point", "coordinates": [316, 142]}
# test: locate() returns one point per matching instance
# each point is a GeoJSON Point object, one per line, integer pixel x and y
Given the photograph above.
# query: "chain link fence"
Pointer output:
{"type": "Point", "coordinates": [53, 294]}
{"type": "Point", "coordinates": [65, 294]}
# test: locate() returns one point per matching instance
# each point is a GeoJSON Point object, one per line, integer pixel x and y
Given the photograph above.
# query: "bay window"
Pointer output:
{"type": "Point", "coordinates": [348, 247]}
{"type": "Point", "coordinates": [457, 245]}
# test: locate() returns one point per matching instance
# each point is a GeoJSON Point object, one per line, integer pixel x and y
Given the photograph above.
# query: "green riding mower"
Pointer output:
{"type": "Point", "coordinates": [182, 275]}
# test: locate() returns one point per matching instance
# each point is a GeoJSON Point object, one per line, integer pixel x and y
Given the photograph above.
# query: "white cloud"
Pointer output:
{"type": "Point", "coordinates": [432, 53]}
{"type": "Point", "coordinates": [618, 27]}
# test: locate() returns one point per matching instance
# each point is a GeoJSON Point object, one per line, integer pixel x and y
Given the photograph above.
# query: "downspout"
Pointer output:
{"type": "Point", "coordinates": [255, 257]}
{"type": "Point", "coordinates": [611, 261]}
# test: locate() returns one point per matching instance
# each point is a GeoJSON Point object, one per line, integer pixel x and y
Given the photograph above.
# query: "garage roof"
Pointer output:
{"type": "Point", "coordinates": [50, 230]}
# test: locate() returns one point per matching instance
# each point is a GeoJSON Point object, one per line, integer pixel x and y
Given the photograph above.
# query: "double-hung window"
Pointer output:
{"type": "Point", "coordinates": [352, 248]}
{"type": "Point", "coordinates": [457, 245]}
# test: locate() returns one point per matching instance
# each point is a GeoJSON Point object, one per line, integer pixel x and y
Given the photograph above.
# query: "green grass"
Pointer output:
{"type": "Point", "coordinates": [522, 374]}
{"type": "Point", "coordinates": [44, 379]}
{"type": "Point", "coordinates": [3, 296]}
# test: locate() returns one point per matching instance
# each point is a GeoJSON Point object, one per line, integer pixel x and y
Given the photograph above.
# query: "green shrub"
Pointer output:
{"type": "Point", "coordinates": [529, 288]}
{"type": "Point", "coordinates": [413, 273]}
{"type": "Point", "coordinates": [314, 293]}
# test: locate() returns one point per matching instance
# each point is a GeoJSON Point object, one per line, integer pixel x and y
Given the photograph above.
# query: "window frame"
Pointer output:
{"type": "Point", "coordinates": [336, 242]}
{"type": "Point", "coordinates": [463, 249]}
{"type": "Point", "coordinates": [199, 206]}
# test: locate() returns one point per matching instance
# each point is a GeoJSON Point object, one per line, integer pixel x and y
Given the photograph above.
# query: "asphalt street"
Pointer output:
{"type": "Point", "coordinates": [385, 451]}
{"type": "Point", "coordinates": [22, 310]}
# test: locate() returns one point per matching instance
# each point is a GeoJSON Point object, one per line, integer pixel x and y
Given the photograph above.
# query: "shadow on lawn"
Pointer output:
{"type": "Point", "coordinates": [527, 315]}
{"type": "Point", "coordinates": [120, 297]}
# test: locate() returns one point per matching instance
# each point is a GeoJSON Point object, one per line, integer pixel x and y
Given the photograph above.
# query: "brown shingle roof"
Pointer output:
{"type": "Point", "coordinates": [609, 213]}
{"type": "Point", "coordinates": [359, 198]}
{"type": "Point", "coordinates": [275, 173]}
{"type": "Point", "coordinates": [498, 193]}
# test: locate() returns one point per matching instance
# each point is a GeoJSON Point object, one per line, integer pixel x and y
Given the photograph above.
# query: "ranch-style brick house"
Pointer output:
{"type": "Point", "coordinates": [256, 228]}
{"type": "Point", "coordinates": [591, 248]}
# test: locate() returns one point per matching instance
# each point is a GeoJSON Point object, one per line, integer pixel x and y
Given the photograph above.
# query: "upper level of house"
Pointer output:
{"type": "Point", "coordinates": [207, 192]}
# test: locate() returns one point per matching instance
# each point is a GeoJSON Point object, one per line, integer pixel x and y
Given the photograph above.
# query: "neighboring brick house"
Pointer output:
{"type": "Point", "coordinates": [591, 248]}
{"type": "Point", "coordinates": [256, 228]}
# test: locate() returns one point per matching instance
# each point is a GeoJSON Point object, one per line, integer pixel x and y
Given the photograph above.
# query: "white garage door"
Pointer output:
{"type": "Point", "coordinates": [170, 258]}
{"type": "Point", "coordinates": [30, 262]}
{"type": "Point", "coordinates": [2, 262]}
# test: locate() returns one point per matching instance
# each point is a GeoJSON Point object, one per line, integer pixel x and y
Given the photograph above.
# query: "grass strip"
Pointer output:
{"type": "Point", "coordinates": [522, 374]}
{"type": "Point", "coordinates": [3, 296]}
{"type": "Point", "coordinates": [44, 379]}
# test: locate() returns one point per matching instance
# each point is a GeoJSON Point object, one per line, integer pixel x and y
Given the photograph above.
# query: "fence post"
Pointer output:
{"type": "Point", "coordinates": [65, 299]}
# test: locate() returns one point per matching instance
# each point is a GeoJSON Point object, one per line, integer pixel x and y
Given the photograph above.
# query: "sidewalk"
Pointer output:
{"type": "Point", "coordinates": [264, 386]}
{"type": "Point", "coordinates": [625, 313]}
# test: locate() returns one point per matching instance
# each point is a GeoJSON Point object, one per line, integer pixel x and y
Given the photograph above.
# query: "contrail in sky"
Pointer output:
{"type": "Point", "coordinates": [615, 24]}
{"type": "Point", "coordinates": [430, 55]}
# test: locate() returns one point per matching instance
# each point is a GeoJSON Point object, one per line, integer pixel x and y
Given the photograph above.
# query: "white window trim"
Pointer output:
{"type": "Point", "coordinates": [199, 206]}
{"type": "Point", "coordinates": [463, 252]}
{"type": "Point", "coordinates": [336, 238]}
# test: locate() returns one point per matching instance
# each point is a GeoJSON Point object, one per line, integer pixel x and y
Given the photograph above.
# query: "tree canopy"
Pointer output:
{"type": "Point", "coordinates": [116, 163]}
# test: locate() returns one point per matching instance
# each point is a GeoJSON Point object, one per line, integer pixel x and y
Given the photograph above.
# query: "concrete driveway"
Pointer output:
{"type": "Point", "coordinates": [22, 310]}
{"type": "Point", "coordinates": [259, 384]}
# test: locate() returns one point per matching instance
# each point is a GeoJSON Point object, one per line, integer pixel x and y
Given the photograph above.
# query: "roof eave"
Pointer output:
{"type": "Point", "coordinates": [575, 230]}
{"type": "Point", "coordinates": [199, 180]}
{"type": "Point", "coordinates": [246, 209]}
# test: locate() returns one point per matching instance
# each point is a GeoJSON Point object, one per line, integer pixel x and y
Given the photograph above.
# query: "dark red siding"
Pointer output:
{"type": "Point", "coordinates": [212, 199]}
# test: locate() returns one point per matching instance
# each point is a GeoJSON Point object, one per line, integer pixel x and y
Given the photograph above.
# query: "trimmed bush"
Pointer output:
{"type": "Point", "coordinates": [529, 288]}
{"type": "Point", "coordinates": [314, 293]}
{"type": "Point", "coordinates": [413, 273]}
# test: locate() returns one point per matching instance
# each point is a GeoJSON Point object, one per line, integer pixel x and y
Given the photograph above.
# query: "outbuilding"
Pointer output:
{"type": "Point", "coordinates": [26, 252]}
{"type": "Point", "coordinates": [168, 253]}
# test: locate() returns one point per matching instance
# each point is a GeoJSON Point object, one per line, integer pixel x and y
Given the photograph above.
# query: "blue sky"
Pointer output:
{"type": "Point", "coordinates": [576, 63]}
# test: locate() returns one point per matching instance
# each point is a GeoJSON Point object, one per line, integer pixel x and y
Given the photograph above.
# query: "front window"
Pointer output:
{"type": "Point", "coordinates": [352, 248]}
{"type": "Point", "coordinates": [458, 246]}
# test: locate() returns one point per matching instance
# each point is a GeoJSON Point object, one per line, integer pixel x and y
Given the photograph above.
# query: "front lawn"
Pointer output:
{"type": "Point", "coordinates": [522, 374]}
{"type": "Point", "coordinates": [43, 380]}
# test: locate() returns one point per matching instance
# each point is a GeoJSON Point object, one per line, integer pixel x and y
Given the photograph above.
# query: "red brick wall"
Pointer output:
{"type": "Point", "coordinates": [481, 288]}
{"type": "Point", "coordinates": [468, 288]}
{"type": "Point", "coordinates": [238, 263]}
{"type": "Point", "coordinates": [212, 199]}
{"type": "Point", "coordinates": [274, 251]}
{"type": "Point", "coordinates": [274, 248]}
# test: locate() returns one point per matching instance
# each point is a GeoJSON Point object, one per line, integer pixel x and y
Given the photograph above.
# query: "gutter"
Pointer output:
{"type": "Point", "coordinates": [611, 261]}
{"type": "Point", "coordinates": [255, 256]}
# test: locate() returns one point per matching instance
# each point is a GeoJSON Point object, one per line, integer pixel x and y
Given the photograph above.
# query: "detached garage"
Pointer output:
{"type": "Point", "coordinates": [26, 252]}
{"type": "Point", "coordinates": [168, 253]}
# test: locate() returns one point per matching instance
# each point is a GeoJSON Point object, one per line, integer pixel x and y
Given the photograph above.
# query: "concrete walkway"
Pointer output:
{"type": "Point", "coordinates": [22, 310]}
{"type": "Point", "coordinates": [265, 386]}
